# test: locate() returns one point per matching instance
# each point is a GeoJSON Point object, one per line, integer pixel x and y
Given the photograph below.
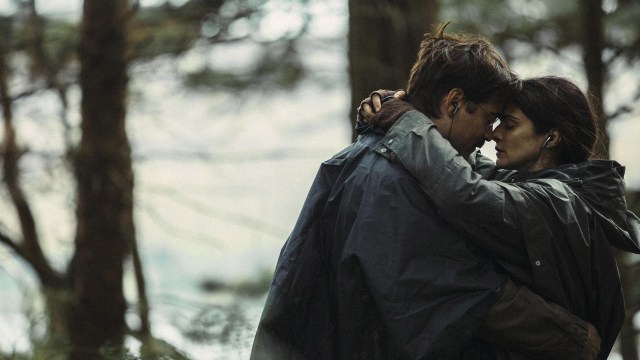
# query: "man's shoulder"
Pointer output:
{"type": "Point", "coordinates": [365, 159]}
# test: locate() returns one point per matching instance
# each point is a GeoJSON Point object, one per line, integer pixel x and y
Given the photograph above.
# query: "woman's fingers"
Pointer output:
{"type": "Point", "coordinates": [366, 111]}
{"type": "Point", "coordinates": [376, 99]}
{"type": "Point", "coordinates": [400, 94]}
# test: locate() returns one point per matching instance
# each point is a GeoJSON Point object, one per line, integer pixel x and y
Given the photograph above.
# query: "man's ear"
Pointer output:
{"type": "Point", "coordinates": [453, 101]}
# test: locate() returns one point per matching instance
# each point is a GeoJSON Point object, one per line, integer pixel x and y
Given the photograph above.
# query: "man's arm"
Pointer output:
{"type": "Point", "coordinates": [522, 321]}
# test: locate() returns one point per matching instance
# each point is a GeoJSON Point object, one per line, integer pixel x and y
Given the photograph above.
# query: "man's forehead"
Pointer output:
{"type": "Point", "coordinates": [494, 107]}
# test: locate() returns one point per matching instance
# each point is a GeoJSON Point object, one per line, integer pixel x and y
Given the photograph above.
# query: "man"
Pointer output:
{"type": "Point", "coordinates": [370, 271]}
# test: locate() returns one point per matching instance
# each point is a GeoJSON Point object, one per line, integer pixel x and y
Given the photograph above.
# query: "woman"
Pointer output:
{"type": "Point", "coordinates": [550, 216]}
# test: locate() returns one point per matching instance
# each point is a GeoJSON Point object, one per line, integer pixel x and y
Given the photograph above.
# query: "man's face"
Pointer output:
{"type": "Point", "coordinates": [472, 126]}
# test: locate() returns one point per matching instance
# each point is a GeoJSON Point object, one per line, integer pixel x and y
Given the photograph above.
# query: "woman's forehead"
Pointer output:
{"type": "Point", "coordinates": [513, 112]}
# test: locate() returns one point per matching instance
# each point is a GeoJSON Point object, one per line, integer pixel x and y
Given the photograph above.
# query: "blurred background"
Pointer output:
{"type": "Point", "coordinates": [155, 154]}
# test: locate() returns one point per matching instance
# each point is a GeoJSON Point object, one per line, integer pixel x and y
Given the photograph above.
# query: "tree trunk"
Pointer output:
{"type": "Point", "coordinates": [105, 182]}
{"type": "Point", "coordinates": [384, 36]}
{"type": "Point", "coordinates": [593, 45]}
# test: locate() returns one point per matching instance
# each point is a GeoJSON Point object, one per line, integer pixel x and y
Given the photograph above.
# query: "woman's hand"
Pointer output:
{"type": "Point", "coordinates": [372, 105]}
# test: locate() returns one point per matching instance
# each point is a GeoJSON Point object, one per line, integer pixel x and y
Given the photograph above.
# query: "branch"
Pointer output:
{"type": "Point", "coordinates": [624, 109]}
{"type": "Point", "coordinates": [143, 300]}
{"type": "Point", "coordinates": [11, 243]}
{"type": "Point", "coordinates": [30, 248]}
{"type": "Point", "coordinates": [619, 51]}
{"type": "Point", "coordinates": [26, 93]}
{"type": "Point", "coordinates": [43, 64]}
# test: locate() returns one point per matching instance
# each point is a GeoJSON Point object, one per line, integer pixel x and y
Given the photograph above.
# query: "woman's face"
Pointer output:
{"type": "Point", "coordinates": [518, 147]}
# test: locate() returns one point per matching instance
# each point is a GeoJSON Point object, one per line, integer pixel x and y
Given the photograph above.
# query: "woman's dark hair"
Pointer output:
{"type": "Point", "coordinates": [555, 102]}
{"type": "Point", "coordinates": [464, 61]}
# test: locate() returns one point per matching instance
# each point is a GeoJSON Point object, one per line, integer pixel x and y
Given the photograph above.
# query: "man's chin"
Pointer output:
{"type": "Point", "coordinates": [466, 154]}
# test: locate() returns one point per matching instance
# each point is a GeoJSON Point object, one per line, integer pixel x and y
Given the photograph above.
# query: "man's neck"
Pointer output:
{"type": "Point", "coordinates": [443, 126]}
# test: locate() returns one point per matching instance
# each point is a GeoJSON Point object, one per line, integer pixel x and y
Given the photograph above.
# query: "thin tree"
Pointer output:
{"type": "Point", "coordinates": [595, 70]}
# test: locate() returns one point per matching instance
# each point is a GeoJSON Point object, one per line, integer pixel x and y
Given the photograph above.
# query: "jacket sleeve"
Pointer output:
{"type": "Point", "coordinates": [470, 203]}
{"type": "Point", "coordinates": [523, 322]}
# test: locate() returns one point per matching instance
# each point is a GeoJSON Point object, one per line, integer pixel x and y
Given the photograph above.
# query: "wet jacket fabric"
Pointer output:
{"type": "Point", "coordinates": [371, 271]}
{"type": "Point", "coordinates": [553, 230]}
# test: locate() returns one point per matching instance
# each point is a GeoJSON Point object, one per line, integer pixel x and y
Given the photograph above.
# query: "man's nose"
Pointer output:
{"type": "Point", "coordinates": [488, 134]}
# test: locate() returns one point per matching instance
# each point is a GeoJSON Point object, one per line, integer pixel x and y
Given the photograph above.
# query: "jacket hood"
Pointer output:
{"type": "Point", "coordinates": [600, 183]}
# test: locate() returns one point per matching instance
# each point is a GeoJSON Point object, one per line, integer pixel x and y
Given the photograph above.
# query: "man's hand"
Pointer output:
{"type": "Point", "coordinates": [592, 347]}
{"type": "Point", "coordinates": [371, 105]}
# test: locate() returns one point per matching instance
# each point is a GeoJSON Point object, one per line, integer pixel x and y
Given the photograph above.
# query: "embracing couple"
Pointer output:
{"type": "Point", "coordinates": [412, 245]}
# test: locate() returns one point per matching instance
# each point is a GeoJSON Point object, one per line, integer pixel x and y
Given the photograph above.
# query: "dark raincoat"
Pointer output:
{"type": "Point", "coordinates": [371, 271]}
{"type": "Point", "coordinates": [551, 230]}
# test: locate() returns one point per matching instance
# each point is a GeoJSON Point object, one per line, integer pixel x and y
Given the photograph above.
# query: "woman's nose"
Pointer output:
{"type": "Point", "coordinates": [496, 135]}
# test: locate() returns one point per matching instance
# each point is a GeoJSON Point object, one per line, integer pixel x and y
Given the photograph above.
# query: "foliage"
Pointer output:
{"type": "Point", "coordinates": [175, 30]}
{"type": "Point", "coordinates": [60, 40]}
{"type": "Point", "coordinates": [50, 46]}
{"type": "Point", "coordinates": [552, 26]}
{"type": "Point", "coordinates": [275, 70]}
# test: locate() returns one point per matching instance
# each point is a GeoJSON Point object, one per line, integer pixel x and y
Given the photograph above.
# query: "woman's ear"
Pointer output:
{"type": "Point", "coordinates": [553, 139]}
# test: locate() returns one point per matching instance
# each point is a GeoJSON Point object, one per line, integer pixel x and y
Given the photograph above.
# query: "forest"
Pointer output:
{"type": "Point", "coordinates": [155, 154]}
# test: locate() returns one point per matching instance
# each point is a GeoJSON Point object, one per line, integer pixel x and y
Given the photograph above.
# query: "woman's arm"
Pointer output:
{"type": "Point", "coordinates": [445, 176]}
{"type": "Point", "coordinates": [524, 322]}
{"type": "Point", "coordinates": [485, 210]}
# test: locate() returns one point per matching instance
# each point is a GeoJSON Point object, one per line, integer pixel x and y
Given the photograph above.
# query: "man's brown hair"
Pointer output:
{"type": "Point", "coordinates": [464, 61]}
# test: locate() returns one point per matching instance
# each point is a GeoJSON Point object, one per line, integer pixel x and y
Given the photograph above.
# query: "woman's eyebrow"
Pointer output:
{"type": "Point", "coordinates": [509, 117]}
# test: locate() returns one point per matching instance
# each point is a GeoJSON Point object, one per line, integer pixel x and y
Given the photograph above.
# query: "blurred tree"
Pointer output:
{"type": "Point", "coordinates": [384, 37]}
{"type": "Point", "coordinates": [27, 246]}
{"type": "Point", "coordinates": [92, 288]}
{"type": "Point", "coordinates": [104, 179]}
{"type": "Point", "coordinates": [593, 40]}
{"type": "Point", "coordinates": [85, 302]}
